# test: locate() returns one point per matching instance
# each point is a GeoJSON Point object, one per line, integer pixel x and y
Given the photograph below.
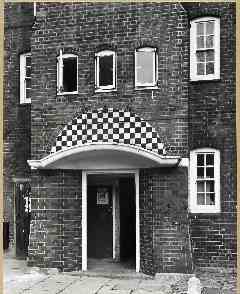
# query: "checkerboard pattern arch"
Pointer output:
{"type": "Point", "coordinates": [108, 126]}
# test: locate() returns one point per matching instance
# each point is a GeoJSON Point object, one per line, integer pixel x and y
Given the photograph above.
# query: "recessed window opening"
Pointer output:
{"type": "Point", "coordinates": [205, 180]}
{"type": "Point", "coordinates": [105, 68]}
{"type": "Point", "coordinates": [67, 74]}
{"type": "Point", "coordinates": [145, 67]}
{"type": "Point", "coordinates": [205, 48]}
{"type": "Point", "coordinates": [25, 78]}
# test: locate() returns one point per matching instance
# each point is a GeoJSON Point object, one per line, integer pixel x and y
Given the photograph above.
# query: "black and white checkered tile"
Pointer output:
{"type": "Point", "coordinates": [109, 126]}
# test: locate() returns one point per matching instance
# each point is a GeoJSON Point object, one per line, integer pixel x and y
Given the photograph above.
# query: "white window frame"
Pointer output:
{"type": "Point", "coordinates": [155, 69]}
{"type": "Point", "coordinates": [193, 206]}
{"type": "Point", "coordinates": [193, 49]}
{"type": "Point", "coordinates": [23, 99]}
{"type": "Point", "coordinates": [60, 73]}
{"type": "Point", "coordinates": [107, 88]}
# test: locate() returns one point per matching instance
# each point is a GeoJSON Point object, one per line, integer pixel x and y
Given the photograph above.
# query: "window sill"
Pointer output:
{"type": "Point", "coordinates": [67, 93]}
{"type": "Point", "coordinates": [105, 90]}
{"type": "Point", "coordinates": [215, 79]}
{"type": "Point", "coordinates": [206, 210]}
{"type": "Point", "coordinates": [25, 102]}
{"type": "Point", "coordinates": [139, 88]}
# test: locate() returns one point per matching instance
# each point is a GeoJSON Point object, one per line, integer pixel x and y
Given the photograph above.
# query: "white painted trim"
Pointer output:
{"type": "Point", "coordinates": [137, 222]}
{"type": "Point", "coordinates": [184, 162]}
{"type": "Point", "coordinates": [35, 8]}
{"type": "Point", "coordinates": [155, 68]}
{"type": "Point", "coordinates": [22, 65]}
{"type": "Point", "coordinates": [84, 214]}
{"type": "Point", "coordinates": [60, 59]}
{"type": "Point", "coordinates": [161, 160]}
{"type": "Point", "coordinates": [114, 219]}
{"type": "Point", "coordinates": [107, 88]}
{"type": "Point", "coordinates": [84, 220]}
{"type": "Point", "coordinates": [193, 49]}
{"type": "Point", "coordinates": [193, 206]}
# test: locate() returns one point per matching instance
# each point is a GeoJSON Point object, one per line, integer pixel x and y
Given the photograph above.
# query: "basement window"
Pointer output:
{"type": "Point", "coordinates": [105, 71]}
{"type": "Point", "coordinates": [67, 72]}
{"type": "Point", "coordinates": [205, 181]}
{"type": "Point", "coordinates": [25, 78]}
{"type": "Point", "coordinates": [146, 67]}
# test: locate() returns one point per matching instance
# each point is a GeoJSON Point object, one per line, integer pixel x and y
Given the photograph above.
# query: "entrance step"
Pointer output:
{"type": "Point", "coordinates": [113, 275]}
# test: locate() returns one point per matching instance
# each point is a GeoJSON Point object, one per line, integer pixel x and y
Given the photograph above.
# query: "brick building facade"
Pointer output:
{"type": "Point", "coordinates": [97, 123]}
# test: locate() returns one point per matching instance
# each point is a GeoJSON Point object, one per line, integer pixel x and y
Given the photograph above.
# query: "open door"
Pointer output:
{"type": "Point", "coordinates": [100, 224]}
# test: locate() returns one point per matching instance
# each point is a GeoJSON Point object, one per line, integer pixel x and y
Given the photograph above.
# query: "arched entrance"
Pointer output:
{"type": "Point", "coordinates": [106, 143]}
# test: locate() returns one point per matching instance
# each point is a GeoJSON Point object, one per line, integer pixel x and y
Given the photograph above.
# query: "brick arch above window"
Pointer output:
{"type": "Point", "coordinates": [109, 126]}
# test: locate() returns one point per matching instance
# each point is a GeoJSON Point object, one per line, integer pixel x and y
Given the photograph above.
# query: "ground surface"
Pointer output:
{"type": "Point", "coordinates": [18, 279]}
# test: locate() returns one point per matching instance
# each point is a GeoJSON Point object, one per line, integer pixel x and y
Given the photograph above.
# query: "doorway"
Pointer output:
{"type": "Point", "coordinates": [110, 208]}
{"type": "Point", "coordinates": [100, 221]}
{"type": "Point", "coordinates": [22, 218]}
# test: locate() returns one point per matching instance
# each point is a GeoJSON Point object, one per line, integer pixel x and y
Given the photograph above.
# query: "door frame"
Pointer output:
{"type": "Point", "coordinates": [85, 173]}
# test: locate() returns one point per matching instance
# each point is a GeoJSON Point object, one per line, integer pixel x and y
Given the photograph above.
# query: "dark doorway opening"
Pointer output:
{"type": "Point", "coordinates": [22, 218]}
{"type": "Point", "coordinates": [100, 224]}
{"type": "Point", "coordinates": [111, 222]}
{"type": "Point", "coordinates": [127, 220]}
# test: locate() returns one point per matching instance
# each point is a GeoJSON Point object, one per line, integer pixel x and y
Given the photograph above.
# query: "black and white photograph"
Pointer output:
{"type": "Point", "coordinates": [119, 147]}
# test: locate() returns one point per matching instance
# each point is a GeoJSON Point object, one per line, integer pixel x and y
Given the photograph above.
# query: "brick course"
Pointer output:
{"type": "Point", "coordinates": [16, 120]}
{"type": "Point", "coordinates": [186, 115]}
{"type": "Point", "coordinates": [212, 124]}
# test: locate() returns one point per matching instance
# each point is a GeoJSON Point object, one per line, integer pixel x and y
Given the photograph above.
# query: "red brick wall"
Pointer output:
{"type": "Point", "coordinates": [55, 233]}
{"type": "Point", "coordinates": [186, 115]}
{"type": "Point", "coordinates": [212, 124]}
{"type": "Point", "coordinates": [17, 33]}
{"type": "Point", "coordinates": [88, 28]}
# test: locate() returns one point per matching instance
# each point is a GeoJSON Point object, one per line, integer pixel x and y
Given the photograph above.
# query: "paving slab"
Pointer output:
{"type": "Point", "coordinates": [125, 284]}
{"type": "Point", "coordinates": [86, 285]}
{"type": "Point", "coordinates": [52, 285]}
{"type": "Point", "coordinates": [22, 282]}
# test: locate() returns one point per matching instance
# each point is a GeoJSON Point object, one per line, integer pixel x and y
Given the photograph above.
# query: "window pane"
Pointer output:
{"type": "Point", "coordinates": [70, 74]}
{"type": "Point", "coordinates": [210, 172]}
{"type": "Point", "coordinates": [210, 55]}
{"type": "Point", "coordinates": [210, 186]}
{"type": "Point", "coordinates": [200, 42]}
{"type": "Point", "coordinates": [210, 199]}
{"type": "Point", "coordinates": [28, 71]}
{"type": "Point", "coordinates": [210, 159]}
{"type": "Point", "coordinates": [28, 60]}
{"type": "Point", "coordinates": [200, 198]}
{"type": "Point", "coordinates": [28, 83]}
{"type": "Point", "coordinates": [209, 42]}
{"type": "Point", "coordinates": [210, 68]}
{"type": "Point", "coordinates": [106, 70]}
{"type": "Point", "coordinates": [200, 68]}
{"type": "Point", "coordinates": [200, 186]}
{"type": "Point", "coordinates": [200, 172]}
{"type": "Point", "coordinates": [200, 56]}
{"type": "Point", "coordinates": [200, 159]}
{"type": "Point", "coordinates": [200, 28]}
{"type": "Point", "coordinates": [28, 93]}
{"type": "Point", "coordinates": [145, 67]}
{"type": "Point", "coordinates": [210, 27]}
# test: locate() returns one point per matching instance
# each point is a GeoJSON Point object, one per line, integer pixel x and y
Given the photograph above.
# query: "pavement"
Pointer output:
{"type": "Point", "coordinates": [21, 279]}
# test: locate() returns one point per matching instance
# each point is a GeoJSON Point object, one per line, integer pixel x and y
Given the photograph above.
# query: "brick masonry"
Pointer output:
{"type": "Point", "coordinates": [56, 220]}
{"type": "Point", "coordinates": [186, 116]}
{"type": "Point", "coordinates": [212, 124]}
{"type": "Point", "coordinates": [17, 123]}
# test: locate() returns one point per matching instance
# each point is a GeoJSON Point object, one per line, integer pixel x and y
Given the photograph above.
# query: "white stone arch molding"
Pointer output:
{"type": "Point", "coordinates": [154, 160]}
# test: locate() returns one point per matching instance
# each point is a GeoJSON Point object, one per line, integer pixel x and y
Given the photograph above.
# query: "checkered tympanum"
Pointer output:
{"type": "Point", "coordinates": [108, 126]}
